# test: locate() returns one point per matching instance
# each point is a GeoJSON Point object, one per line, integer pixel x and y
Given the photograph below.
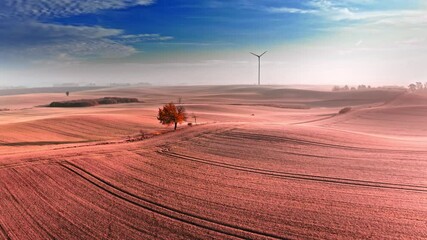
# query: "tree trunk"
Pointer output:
{"type": "Point", "coordinates": [175, 126]}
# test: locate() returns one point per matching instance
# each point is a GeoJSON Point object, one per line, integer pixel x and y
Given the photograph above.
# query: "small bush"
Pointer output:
{"type": "Point", "coordinates": [190, 124]}
{"type": "Point", "coordinates": [345, 110]}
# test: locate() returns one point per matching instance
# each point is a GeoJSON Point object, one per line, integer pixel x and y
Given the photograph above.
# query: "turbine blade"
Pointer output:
{"type": "Point", "coordinates": [263, 53]}
{"type": "Point", "coordinates": [254, 54]}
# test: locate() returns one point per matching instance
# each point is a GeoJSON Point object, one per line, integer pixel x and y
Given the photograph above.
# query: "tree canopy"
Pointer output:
{"type": "Point", "coordinates": [171, 114]}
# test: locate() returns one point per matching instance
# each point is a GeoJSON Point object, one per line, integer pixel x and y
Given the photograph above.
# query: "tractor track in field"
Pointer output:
{"type": "Point", "coordinates": [217, 140]}
{"type": "Point", "coordinates": [26, 164]}
{"type": "Point", "coordinates": [166, 211]}
{"type": "Point", "coordinates": [3, 233]}
{"type": "Point", "coordinates": [306, 177]}
{"type": "Point", "coordinates": [264, 137]}
{"type": "Point", "coordinates": [27, 212]}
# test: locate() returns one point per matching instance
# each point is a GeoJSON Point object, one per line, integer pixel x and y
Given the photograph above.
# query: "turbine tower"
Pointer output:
{"type": "Point", "coordinates": [259, 65]}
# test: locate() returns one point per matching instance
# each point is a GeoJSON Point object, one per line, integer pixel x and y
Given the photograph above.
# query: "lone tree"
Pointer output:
{"type": "Point", "coordinates": [67, 93]}
{"type": "Point", "coordinates": [171, 114]}
{"type": "Point", "coordinates": [412, 87]}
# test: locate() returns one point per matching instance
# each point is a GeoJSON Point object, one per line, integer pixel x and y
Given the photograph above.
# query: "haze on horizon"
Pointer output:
{"type": "Point", "coordinates": [45, 42]}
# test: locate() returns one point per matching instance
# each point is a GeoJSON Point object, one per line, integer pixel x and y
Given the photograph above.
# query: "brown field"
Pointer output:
{"type": "Point", "coordinates": [262, 163]}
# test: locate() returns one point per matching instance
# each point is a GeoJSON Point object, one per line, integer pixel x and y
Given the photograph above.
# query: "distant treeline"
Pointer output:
{"type": "Point", "coordinates": [93, 102]}
{"type": "Point", "coordinates": [418, 86]}
{"type": "Point", "coordinates": [347, 88]}
{"type": "Point", "coordinates": [364, 87]}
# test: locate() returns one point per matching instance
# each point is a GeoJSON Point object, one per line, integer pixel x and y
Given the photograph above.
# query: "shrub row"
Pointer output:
{"type": "Point", "coordinates": [93, 102]}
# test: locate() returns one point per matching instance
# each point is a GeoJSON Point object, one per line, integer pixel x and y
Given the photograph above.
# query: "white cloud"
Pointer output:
{"type": "Point", "coordinates": [34, 33]}
{"type": "Point", "coordinates": [344, 10]}
{"type": "Point", "coordinates": [290, 10]}
{"type": "Point", "coordinates": [84, 49]}
{"type": "Point", "coordinates": [25, 35]}
{"type": "Point", "coordinates": [340, 10]}
{"type": "Point", "coordinates": [27, 40]}
{"type": "Point", "coordinates": [63, 8]}
{"type": "Point", "coordinates": [145, 37]}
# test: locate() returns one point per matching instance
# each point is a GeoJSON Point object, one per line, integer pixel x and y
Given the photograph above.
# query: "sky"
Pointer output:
{"type": "Point", "coordinates": [189, 42]}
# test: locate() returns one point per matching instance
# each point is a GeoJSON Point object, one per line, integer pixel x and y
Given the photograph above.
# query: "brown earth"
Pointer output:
{"type": "Point", "coordinates": [262, 163]}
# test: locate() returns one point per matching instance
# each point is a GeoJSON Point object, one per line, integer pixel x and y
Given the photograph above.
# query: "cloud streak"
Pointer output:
{"type": "Point", "coordinates": [291, 10]}
{"type": "Point", "coordinates": [144, 38]}
{"type": "Point", "coordinates": [25, 35]}
{"type": "Point", "coordinates": [344, 11]}
{"type": "Point", "coordinates": [63, 8]}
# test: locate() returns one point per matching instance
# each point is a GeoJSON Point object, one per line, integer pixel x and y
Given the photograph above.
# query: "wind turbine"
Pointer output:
{"type": "Point", "coordinates": [259, 65]}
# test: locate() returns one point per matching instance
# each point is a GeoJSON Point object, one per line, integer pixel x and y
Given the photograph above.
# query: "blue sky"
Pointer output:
{"type": "Point", "coordinates": [207, 41]}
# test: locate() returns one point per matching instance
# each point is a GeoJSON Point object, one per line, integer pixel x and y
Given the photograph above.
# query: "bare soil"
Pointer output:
{"type": "Point", "coordinates": [254, 167]}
